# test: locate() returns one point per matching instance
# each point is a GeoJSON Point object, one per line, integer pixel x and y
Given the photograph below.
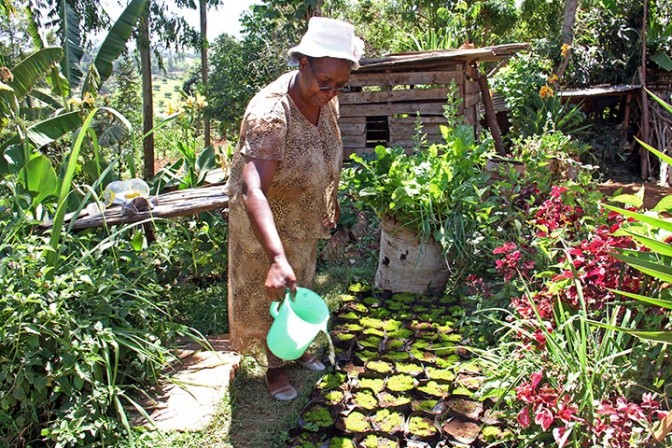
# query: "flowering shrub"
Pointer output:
{"type": "Point", "coordinates": [549, 406]}
{"type": "Point", "coordinates": [590, 260]}
{"type": "Point", "coordinates": [617, 424]}
{"type": "Point", "coordinates": [555, 215]}
{"type": "Point", "coordinates": [560, 271]}
{"type": "Point", "coordinates": [619, 419]}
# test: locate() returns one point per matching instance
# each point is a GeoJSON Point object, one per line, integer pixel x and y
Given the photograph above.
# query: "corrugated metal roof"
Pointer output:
{"type": "Point", "coordinates": [437, 58]}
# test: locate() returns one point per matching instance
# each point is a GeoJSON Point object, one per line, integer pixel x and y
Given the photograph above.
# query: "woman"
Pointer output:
{"type": "Point", "coordinates": [283, 186]}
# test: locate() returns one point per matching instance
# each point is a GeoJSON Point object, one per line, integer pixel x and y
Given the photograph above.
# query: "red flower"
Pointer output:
{"type": "Point", "coordinates": [543, 417]}
{"type": "Point", "coordinates": [524, 417]}
{"type": "Point", "coordinates": [561, 435]}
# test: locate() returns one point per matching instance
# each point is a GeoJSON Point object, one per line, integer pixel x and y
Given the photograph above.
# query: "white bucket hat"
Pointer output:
{"type": "Point", "coordinates": [330, 38]}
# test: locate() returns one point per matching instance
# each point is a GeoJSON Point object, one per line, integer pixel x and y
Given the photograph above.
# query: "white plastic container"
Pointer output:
{"type": "Point", "coordinates": [123, 191]}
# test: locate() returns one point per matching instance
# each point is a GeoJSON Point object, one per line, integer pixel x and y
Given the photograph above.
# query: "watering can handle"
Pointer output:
{"type": "Point", "coordinates": [275, 305]}
{"type": "Point", "coordinates": [275, 309]}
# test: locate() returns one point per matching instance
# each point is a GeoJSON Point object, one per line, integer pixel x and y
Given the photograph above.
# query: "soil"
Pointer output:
{"type": "Point", "coordinates": [653, 192]}
{"type": "Point", "coordinates": [623, 176]}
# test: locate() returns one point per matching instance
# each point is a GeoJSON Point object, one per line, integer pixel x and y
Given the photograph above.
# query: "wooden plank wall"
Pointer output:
{"type": "Point", "coordinates": [401, 96]}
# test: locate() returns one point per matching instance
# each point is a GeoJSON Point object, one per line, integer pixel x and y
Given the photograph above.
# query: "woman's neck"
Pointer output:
{"type": "Point", "coordinates": [310, 111]}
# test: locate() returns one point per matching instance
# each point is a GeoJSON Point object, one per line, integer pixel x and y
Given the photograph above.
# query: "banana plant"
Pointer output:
{"type": "Point", "coordinates": [20, 153]}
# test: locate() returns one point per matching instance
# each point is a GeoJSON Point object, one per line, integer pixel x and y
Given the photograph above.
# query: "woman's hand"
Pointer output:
{"type": "Point", "coordinates": [280, 277]}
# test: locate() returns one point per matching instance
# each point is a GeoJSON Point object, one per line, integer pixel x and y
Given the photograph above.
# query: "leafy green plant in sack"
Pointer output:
{"type": "Point", "coordinates": [438, 190]}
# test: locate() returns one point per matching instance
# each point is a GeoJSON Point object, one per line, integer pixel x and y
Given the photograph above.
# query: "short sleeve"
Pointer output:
{"type": "Point", "coordinates": [264, 133]}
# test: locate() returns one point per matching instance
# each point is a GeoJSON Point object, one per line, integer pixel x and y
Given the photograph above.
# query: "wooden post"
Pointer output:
{"type": "Point", "coordinates": [147, 99]}
{"type": "Point", "coordinates": [626, 118]}
{"type": "Point", "coordinates": [490, 114]}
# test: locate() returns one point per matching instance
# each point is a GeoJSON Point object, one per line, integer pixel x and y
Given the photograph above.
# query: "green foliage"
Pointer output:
{"type": "Point", "coordinates": [606, 47]}
{"type": "Point", "coordinates": [520, 80]}
{"type": "Point", "coordinates": [655, 255]}
{"type": "Point", "coordinates": [194, 248]}
{"type": "Point", "coordinates": [80, 342]}
{"type": "Point", "coordinates": [194, 163]}
{"type": "Point", "coordinates": [540, 18]}
{"type": "Point", "coordinates": [231, 60]}
{"type": "Point", "coordinates": [114, 44]}
{"type": "Point", "coordinates": [659, 34]}
{"type": "Point", "coordinates": [269, 30]}
{"type": "Point", "coordinates": [551, 114]}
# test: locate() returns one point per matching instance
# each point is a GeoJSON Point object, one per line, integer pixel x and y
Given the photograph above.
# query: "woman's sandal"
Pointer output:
{"type": "Point", "coordinates": [311, 363]}
{"type": "Point", "coordinates": [286, 392]}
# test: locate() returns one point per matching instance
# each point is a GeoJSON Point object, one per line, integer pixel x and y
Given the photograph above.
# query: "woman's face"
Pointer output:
{"type": "Point", "coordinates": [324, 78]}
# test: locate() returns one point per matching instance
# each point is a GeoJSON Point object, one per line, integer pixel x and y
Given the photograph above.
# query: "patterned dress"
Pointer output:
{"type": "Point", "coordinates": [302, 194]}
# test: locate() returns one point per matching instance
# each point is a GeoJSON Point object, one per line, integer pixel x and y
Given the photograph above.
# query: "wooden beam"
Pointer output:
{"type": "Point", "coordinates": [426, 120]}
{"type": "Point", "coordinates": [406, 78]}
{"type": "Point", "coordinates": [169, 205]}
{"type": "Point", "coordinates": [394, 96]}
{"type": "Point", "coordinates": [490, 114]}
{"type": "Point", "coordinates": [408, 129]}
{"type": "Point", "coordinates": [434, 108]}
{"type": "Point", "coordinates": [352, 128]}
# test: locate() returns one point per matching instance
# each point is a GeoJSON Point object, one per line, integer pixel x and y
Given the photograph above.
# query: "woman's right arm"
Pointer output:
{"type": "Point", "coordinates": [257, 178]}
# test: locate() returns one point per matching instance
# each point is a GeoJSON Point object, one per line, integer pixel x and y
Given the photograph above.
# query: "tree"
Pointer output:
{"type": "Point", "coordinates": [203, 46]}
{"type": "Point", "coordinates": [173, 31]}
{"type": "Point", "coordinates": [241, 68]}
{"type": "Point", "coordinates": [567, 35]}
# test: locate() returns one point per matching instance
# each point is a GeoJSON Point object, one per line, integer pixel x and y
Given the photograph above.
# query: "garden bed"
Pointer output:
{"type": "Point", "coordinates": [401, 380]}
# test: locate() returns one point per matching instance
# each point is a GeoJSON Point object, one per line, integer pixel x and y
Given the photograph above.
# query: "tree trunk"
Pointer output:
{"type": "Point", "coordinates": [203, 9]}
{"type": "Point", "coordinates": [567, 34]}
{"type": "Point", "coordinates": [644, 127]}
{"type": "Point", "coordinates": [147, 100]}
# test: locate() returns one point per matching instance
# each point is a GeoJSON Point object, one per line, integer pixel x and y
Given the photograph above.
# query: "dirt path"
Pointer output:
{"type": "Point", "coordinates": [653, 192]}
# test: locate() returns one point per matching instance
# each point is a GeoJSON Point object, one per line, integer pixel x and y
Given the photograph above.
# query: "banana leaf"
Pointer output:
{"type": "Point", "coordinates": [72, 45]}
{"type": "Point", "coordinates": [40, 177]}
{"type": "Point", "coordinates": [46, 99]}
{"type": "Point", "coordinates": [115, 42]}
{"type": "Point", "coordinates": [34, 29]}
{"type": "Point", "coordinates": [33, 68]}
{"type": "Point", "coordinates": [46, 131]}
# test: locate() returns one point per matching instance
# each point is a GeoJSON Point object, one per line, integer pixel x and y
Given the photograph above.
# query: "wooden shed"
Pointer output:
{"type": "Point", "coordinates": [389, 93]}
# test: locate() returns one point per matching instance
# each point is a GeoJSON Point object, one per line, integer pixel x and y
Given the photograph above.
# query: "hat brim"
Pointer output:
{"type": "Point", "coordinates": [320, 52]}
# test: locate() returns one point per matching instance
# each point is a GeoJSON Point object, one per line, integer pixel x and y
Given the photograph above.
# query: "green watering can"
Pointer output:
{"type": "Point", "coordinates": [296, 323]}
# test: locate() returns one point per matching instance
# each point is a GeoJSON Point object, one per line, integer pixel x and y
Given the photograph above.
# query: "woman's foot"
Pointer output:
{"type": "Point", "coordinates": [311, 362]}
{"type": "Point", "coordinates": [278, 385]}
